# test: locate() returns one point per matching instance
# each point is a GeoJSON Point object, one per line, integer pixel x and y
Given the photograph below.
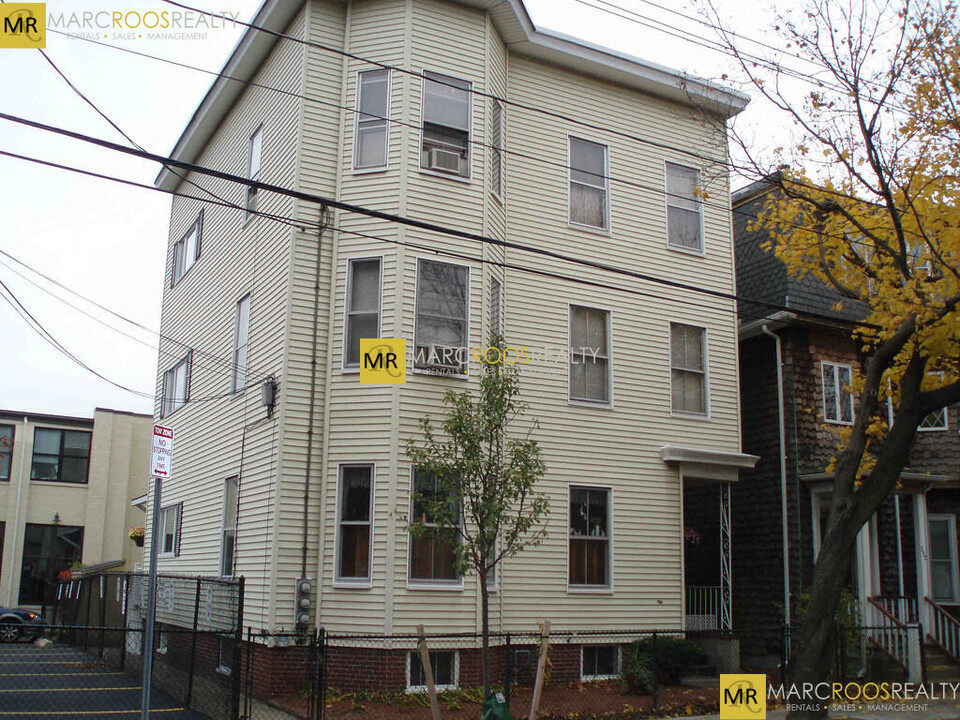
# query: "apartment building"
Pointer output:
{"type": "Point", "coordinates": [467, 116]}
{"type": "Point", "coordinates": [69, 489]}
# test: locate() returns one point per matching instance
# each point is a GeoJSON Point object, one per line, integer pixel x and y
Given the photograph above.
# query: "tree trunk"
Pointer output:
{"type": "Point", "coordinates": [485, 643]}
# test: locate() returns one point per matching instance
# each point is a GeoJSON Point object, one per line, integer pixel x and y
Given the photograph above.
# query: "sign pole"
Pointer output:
{"type": "Point", "coordinates": [160, 467]}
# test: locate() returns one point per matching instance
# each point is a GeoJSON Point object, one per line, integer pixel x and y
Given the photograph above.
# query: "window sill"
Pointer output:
{"type": "Point", "coordinates": [598, 678]}
{"type": "Point", "coordinates": [841, 423]}
{"type": "Point", "coordinates": [350, 370]}
{"type": "Point", "coordinates": [370, 170]}
{"type": "Point", "coordinates": [589, 590]}
{"type": "Point", "coordinates": [452, 376]}
{"type": "Point", "coordinates": [605, 232]}
{"type": "Point", "coordinates": [61, 483]}
{"type": "Point", "coordinates": [598, 404]}
{"type": "Point", "coordinates": [422, 689]}
{"type": "Point", "coordinates": [923, 430]}
{"type": "Point", "coordinates": [684, 415]}
{"type": "Point", "coordinates": [686, 251]}
{"type": "Point", "coordinates": [440, 585]}
{"type": "Point", "coordinates": [351, 585]}
{"type": "Point", "coordinates": [224, 670]}
{"type": "Point", "coordinates": [467, 180]}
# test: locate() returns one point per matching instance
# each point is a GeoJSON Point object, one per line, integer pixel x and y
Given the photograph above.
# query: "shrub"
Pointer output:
{"type": "Point", "coordinates": [673, 656]}
{"type": "Point", "coordinates": [638, 674]}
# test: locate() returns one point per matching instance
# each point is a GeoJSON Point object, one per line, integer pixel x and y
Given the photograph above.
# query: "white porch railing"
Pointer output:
{"type": "Point", "coordinates": [944, 629]}
{"type": "Point", "coordinates": [891, 631]}
{"type": "Point", "coordinates": [902, 608]}
{"type": "Point", "coordinates": [702, 608]}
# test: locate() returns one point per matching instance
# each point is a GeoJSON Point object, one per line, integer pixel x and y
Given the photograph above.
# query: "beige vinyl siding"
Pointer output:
{"type": "Point", "coordinates": [236, 259]}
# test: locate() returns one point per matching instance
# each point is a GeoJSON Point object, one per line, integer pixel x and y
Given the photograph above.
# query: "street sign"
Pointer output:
{"type": "Point", "coordinates": [162, 460]}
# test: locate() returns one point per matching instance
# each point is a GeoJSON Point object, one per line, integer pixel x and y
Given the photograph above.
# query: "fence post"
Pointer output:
{"type": "Point", "coordinates": [541, 669]}
{"type": "Point", "coordinates": [193, 645]}
{"type": "Point", "coordinates": [428, 673]}
{"type": "Point", "coordinates": [320, 653]}
{"type": "Point", "coordinates": [237, 647]}
{"type": "Point", "coordinates": [656, 671]}
{"type": "Point", "coordinates": [248, 675]}
{"type": "Point", "coordinates": [103, 614]}
{"type": "Point", "coordinates": [86, 622]}
{"type": "Point", "coordinates": [508, 671]}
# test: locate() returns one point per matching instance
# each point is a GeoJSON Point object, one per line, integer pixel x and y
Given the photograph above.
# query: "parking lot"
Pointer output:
{"type": "Point", "coordinates": [61, 682]}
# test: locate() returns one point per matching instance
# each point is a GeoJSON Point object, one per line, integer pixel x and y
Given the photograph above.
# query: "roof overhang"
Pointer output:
{"type": "Point", "coordinates": [910, 482]}
{"type": "Point", "coordinates": [520, 36]}
{"type": "Point", "coordinates": [701, 464]}
{"type": "Point", "coordinates": [140, 501]}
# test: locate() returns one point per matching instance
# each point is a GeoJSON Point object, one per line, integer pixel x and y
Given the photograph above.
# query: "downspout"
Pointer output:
{"type": "Point", "coordinates": [787, 614]}
{"type": "Point", "coordinates": [313, 394]}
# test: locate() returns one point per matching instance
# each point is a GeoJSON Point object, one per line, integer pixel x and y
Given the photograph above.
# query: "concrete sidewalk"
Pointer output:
{"type": "Point", "coordinates": [932, 710]}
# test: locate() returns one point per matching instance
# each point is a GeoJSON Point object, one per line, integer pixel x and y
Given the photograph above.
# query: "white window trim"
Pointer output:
{"type": "Point", "coordinates": [347, 369]}
{"type": "Point", "coordinates": [162, 529]}
{"type": "Point", "coordinates": [197, 225]}
{"type": "Point", "coordinates": [234, 367]}
{"type": "Point", "coordinates": [608, 230]}
{"type": "Point", "coordinates": [162, 641]}
{"type": "Point", "coordinates": [591, 589]}
{"type": "Point", "coordinates": [420, 583]}
{"type": "Point", "coordinates": [222, 669]}
{"type": "Point", "coordinates": [940, 428]}
{"type": "Point", "coordinates": [356, 126]}
{"type": "Point", "coordinates": [247, 214]}
{"type": "Point", "coordinates": [500, 150]}
{"type": "Point", "coordinates": [354, 583]}
{"type": "Point", "coordinates": [223, 524]}
{"type": "Point", "coordinates": [702, 252]}
{"type": "Point", "coordinates": [951, 521]}
{"type": "Point", "coordinates": [839, 391]}
{"type": "Point", "coordinates": [586, 402]}
{"type": "Point", "coordinates": [592, 678]}
{"type": "Point", "coordinates": [170, 373]}
{"type": "Point", "coordinates": [416, 284]}
{"type": "Point", "coordinates": [439, 688]}
{"type": "Point", "coordinates": [468, 178]}
{"type": "Point", "coordinates": [686, 414]}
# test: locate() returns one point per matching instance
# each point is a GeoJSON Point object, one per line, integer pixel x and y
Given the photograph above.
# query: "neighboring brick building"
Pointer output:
{"type": "Point", "coordinates": [818, 353]}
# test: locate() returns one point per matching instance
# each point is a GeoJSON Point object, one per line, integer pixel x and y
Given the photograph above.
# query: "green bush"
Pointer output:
{"type": "Point", "coordinates": [673, 656]}
{"type": "Point", "coordinates": [638, 674]}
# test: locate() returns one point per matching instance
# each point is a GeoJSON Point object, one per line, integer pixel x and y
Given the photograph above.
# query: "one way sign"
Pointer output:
{"type": "Point", "coordinates": [162, 461]}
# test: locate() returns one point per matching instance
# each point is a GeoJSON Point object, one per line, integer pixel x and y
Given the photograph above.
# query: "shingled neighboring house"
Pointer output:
{"type": "Point", "coordinates": [906, 565]}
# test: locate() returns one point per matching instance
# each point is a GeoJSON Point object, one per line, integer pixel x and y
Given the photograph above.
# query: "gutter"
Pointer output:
{"type": "Point", "coordinates": [765, 329]}
{"type": "Point", "coordinates": [774, 321]}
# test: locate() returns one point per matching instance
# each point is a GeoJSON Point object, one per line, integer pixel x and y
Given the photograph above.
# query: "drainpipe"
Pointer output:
{"type": "Point", "coordinates": [783, 475]}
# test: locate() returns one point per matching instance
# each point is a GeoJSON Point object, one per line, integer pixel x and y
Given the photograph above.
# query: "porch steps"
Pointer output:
{"type": "Point", "coordinates": [940, 666]}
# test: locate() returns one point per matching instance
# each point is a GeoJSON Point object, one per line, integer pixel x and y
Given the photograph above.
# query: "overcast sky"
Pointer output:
{"type": "Point", "coordinates": [108, 242]}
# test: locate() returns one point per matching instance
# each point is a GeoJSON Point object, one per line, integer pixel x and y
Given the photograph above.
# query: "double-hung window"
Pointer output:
{"type": "Point", "coordinates": [362, 319]}
{"type": "Point", "coordinates": [373, 105]}
{"type": "Point", "coordinates": [589, 551]}
{"type": "Point", "coordinates": [254, 155]}
{"type": "Point", "coordinates": [589, 200]}
{"type": "Point", "coordinates": [432, 552]}
{"type": "Point", "coordinates": [171, 521]}
{"type": "Point", "coordinates": [684, 230]}
{"type": "Point", "coordinates": [355, 517]}
{"type": "Point", "coordinates": [943, 557]}
{"type": "Point", "coordinates": [446, 125]}
{"type": "Point", "coordinates": [6, 450]}
{"type": "Point", "coordinates": [187, 250]}
{"type": "Point", "coordinates": [176, 386]}
{"type": "Point", "coordinates": [496, 148]}
{"type": "Point", "coordinates": [688, 368]}
{"type": "Point", "coordinates": [241, 337]}
{"type": "Point", "coordinates": [228, 533]}
{"type": "Point", "coordinates": [837, 398]}
{"type": "Point", "coordinates": [60, 455]}
{"type": "Point", "coordinates": [589, 354]}
{"type": "Point", "coordinates": [442, 322]}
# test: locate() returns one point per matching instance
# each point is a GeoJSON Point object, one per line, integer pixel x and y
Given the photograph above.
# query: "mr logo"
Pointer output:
{"type": "Point", "coordinates": [383, 361]}
{"type": "Point", "coordinates": [24, 25]}
{"type": "Point", "coordinates": [743, 697]}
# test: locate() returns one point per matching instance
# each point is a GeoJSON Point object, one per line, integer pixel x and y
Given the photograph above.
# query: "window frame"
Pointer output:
{"type": "Point", "coordinates": [592, 678]}
{"type": "Point", "coordinates": [9, 450]}
{"type": "Point", "coordinates": [468, 177]}
{"type": "Point", "coordinates": [227, 512]}
{"type": "Point", "coordinates": [438, 687]}
{"type": "Point", "coordinates": [338, 579]}
{"type": "Point", "coordinates": [61, 455]}
{"type": "Point", "coordinates": [251, 193]}
{"type": "Point", "coordinates": [607, 228]}
{"type": "Point", "coordinates": [495, 307]}
{"type": "Point", "coordinates": [180, 246]}
{"type": "Point", "coordinates": [455, 585]}
{"type": "Point", "coordinates": [702, 251]}
{"type": "Point", "coordinates": [606, 589]}
{"type": "Point", "coordinates": [229, 642]}
{"type": "Point", "coordinates": [497, 145]}
{"type": "Point", "coordinates": [52, 558]}
{"type": "Point", "coordinates": [416, 320]}
{"type": "Point", "coordinates": [170, 374]}
{"type": "Point", "coordinates": [238, 375]}
{"type": "Point", "coordinates": [357, 169]}
{"type": "Point", "coordinates": [691, 414]}
{"type": "Point", "coordinates": [345, 366]}
{"type": "Point", "coordinates": [177, 510]}
{"type": "Point", "coordinates": [588, 402]}
{"type": "Point", "coordinates": [838, 392]}
{"type": "Point", "coordinates": [951, 521]}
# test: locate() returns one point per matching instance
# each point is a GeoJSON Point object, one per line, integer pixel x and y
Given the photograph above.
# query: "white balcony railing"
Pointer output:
{"type": "Point", "coordinates": [702, 607]}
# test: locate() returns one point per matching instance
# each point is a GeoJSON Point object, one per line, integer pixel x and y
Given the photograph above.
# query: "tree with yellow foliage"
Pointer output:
{"type": "Point", "coordinates": [869, 203]}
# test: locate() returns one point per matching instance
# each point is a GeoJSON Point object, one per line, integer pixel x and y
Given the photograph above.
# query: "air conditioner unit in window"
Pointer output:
{"type": "Point", "coordinates": [443, 358]}
{"type": "Point", "coordinates": [443, 160]}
